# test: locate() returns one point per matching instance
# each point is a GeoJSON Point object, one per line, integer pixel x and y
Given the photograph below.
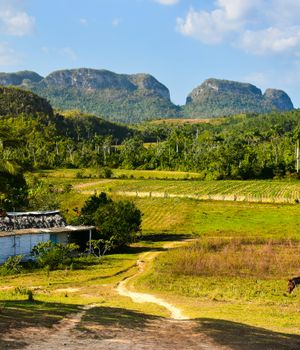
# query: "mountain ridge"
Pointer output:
{"type": "Point", "coordinates": [218, 97]}
{"type": "Point", "coordinates": [138, 97]}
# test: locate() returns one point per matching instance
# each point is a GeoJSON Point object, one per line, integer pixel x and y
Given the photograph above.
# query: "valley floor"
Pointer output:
{"type": "Point", "coordinates": [135, 300]}
{"type": "Point", "coordinates": [97, 326]}
{"type": "Point", "coordinates": [103, 328]}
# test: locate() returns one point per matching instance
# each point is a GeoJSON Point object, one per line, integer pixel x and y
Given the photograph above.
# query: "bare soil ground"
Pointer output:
{"type": "Point", "coordinates": [97, 327]}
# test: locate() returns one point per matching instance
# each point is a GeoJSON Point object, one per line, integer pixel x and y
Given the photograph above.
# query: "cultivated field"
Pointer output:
{"type": "Point", "coordinates": [230, 279]}
{"type": "Point", "coordinates": [144, 183]}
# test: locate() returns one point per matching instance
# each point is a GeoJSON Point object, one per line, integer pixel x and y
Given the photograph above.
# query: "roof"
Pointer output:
{"type": "Point", "coordinates": [52, 230]}
{"type": "Point", "coordinates": [32, 213]}
{"type": "Point", "coordinates": [29, 220]}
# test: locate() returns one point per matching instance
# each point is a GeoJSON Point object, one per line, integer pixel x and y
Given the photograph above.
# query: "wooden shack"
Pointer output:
{"type": "Point", "coordinates": [20, 232]}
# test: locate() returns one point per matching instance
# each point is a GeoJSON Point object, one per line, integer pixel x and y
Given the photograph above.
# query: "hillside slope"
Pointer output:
{"type": "Point", "coordinates": [139, 97]}
{"type": "Point", "coordinates": [215, 97]}
{"type": "Point", "coordinates": [15, 101]}
{"type": "Point", "coordinates": [117, 97]}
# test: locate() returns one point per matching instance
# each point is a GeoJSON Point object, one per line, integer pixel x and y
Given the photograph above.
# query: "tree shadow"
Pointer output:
{"type": "Point", "coordinates": [113, 316]}
{"type": "Point", "coordinates": [240, 336]}
{"type": "Point", "coordinates": [163, 237]}
{"type": "Point", "coordinates": [235, 336]}
{"type": "Point", "coordinates": [139, 249]}
{"type": "Point", "coordinates": [120, 323]}
{"type": "Point", "coordinates": [17, 316]}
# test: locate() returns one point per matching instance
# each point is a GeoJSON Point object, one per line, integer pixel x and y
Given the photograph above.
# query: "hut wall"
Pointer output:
{"type": "Point", "coordinates": [20, 244]}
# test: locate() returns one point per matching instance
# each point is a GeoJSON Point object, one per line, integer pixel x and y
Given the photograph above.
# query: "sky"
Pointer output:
{"type": "Point", "coordinates": [180, 42]}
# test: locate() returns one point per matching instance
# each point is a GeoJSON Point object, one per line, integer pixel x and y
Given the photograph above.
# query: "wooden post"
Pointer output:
{"type": "Point", "coordinates": [297, 157]}
{"type": "Point", "coordinates": [90, 243]}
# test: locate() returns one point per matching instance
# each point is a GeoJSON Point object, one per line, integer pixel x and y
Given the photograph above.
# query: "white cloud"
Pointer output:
{"type": "Point", "coordinates": [8, 56]}
{"type": "Point", "coordinates": [69, 52]}
{"type": "Point", "coordinates": [14, 20]}
{"type": "Point", "coordinates": [237, 9]}
{"type": "Point", "coordinates": [271, 40]}
{"type": "Point", "coordinates": [167, 2]}
{"type": "Point", "coordinates": [258, 27]}
{"type": "Point", "coordinates": [208, 27]}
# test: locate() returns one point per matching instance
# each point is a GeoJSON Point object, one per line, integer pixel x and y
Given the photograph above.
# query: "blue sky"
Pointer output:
{"type": "Point", "coordinates": [180, 42]}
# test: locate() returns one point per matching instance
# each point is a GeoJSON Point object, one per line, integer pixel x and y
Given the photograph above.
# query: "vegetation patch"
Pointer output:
{"type": "Point", "coordinates": [248, 257]}
{"type": "Point", "coordinates": [219, 278]}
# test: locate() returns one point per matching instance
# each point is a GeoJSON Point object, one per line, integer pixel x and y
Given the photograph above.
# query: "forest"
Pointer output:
{"type": "Point", "coordinates": [246, 146]}
{"type": "Point", "coordinates": [239, 147]}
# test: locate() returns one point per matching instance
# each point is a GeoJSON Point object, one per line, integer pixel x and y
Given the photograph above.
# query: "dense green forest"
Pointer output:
{"type": "Point", "coordinates": [114, 104]}
{"type": "Point", "coordinates": [240, 147]}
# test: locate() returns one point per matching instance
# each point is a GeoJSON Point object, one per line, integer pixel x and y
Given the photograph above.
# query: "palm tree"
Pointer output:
{"type": "Point", "coordinates": [8, 167]}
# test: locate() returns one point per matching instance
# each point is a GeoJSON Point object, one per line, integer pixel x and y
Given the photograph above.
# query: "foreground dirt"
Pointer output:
{"type": "Point", "coordinates": [96, 327]}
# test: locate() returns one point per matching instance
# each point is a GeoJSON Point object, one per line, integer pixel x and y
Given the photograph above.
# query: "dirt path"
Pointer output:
{"type": "Point", "coordinates": [61, 336]}
{"type": "Point", "coordinates": [87, 184]}
{"type": "Point", "coordinates": [98, 327]}
{"type": "Point", "coordinates": [137, 297]}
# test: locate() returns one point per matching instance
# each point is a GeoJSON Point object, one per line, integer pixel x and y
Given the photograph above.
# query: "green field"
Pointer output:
{"type": "Point", "coordinates": [180, 184]}
{"type": "Point", "coordinates": [237, 272]}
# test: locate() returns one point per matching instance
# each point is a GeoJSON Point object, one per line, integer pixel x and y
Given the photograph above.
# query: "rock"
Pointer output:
{"type": "Point", "coordinates": [19, 78]}
{"type": "Point", "coordinates": [279, 99]}
{"type": "Point", "coordinates": [215, 97]}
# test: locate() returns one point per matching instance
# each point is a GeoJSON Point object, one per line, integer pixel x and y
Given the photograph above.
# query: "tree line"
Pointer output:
{"type": "Point", "coordinates": [239, 147]}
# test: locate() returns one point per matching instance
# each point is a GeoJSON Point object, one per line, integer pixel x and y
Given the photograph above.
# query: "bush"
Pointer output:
{"type": "Point", "coordinates": [105, 173]}
{"type": "Point", "coordinates": [54, 255]}
{"type": "Point", "coordinates": [12, 265]}
{"type": "Point", "coordinates": [117, 222]}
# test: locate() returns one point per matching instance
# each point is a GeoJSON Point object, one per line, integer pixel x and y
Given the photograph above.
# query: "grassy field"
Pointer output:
{"type": "Point", "coordinates": [164, 183]}
{"type": "Point", "coordinates": [219, 219]}
{"type": "Point", "coordinates": [93, 282]}
{"type": "Point", "coordinates": [237, 272]}
{"type": "Point", "coordinates": [241, 280]}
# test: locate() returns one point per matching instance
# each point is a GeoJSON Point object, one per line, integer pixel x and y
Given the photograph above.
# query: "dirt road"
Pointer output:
{"type": "Point", "coordinates": [97, 327]}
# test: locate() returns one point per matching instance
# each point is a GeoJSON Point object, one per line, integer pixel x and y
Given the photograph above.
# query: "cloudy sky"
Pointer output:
{"type": "Point", "coordinates": [180, 42]}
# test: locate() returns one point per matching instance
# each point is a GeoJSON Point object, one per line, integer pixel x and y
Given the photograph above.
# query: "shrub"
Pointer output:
{"type": "Point", "coordinates": [24, 291]}
{"type": "Point", "coordinates": [117, 222]}
{"type": "Point", "coordinates": [54, 255]}
{"type": "Point", "coordinates": [12, 265]}
{"type": "Point", "coordinates": [105, 173]}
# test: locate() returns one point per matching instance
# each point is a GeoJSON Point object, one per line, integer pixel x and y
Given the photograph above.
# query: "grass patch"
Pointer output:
{"type": "Point", "coordinates": [241, 280]}
{"type": "Point", "coordinates": [257, 258]}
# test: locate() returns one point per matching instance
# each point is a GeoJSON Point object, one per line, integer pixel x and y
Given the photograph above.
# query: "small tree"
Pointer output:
{"type": "Point", "coordinates": [119, 222]}
{"type": "Point", "coordinates": [91, 205]}
{"type": "Point", "coordinates": [101, 246]}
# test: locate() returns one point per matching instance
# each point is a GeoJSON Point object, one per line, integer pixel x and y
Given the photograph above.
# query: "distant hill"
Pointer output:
{"type": "Point", "coordinates": [139, 97]}
{"type": "Point", "coordinates": [18, 103]}
{"type": "Point", "coordinates": [15, 101]}
{"type": "Point", "coordinates": [19, 78]}
{"type": "Point", "coordinates": [216, 97]}
{"type": "Point", "coordinates": [116, 97]}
